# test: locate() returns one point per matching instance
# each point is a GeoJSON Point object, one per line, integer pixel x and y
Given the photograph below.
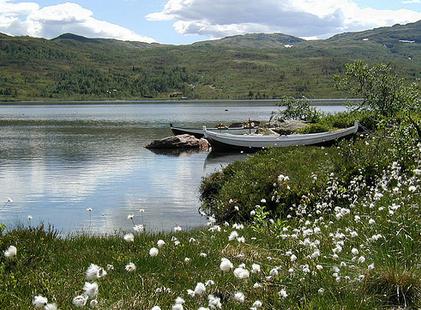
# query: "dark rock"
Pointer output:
{"type": "Point", "coordinates": [180, 142]}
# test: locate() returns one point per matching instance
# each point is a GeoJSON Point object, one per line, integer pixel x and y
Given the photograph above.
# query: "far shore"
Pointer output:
{"type": "Point", "coordinates": [315, 102]}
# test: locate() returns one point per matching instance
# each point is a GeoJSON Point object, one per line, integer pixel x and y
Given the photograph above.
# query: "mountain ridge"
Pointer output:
{"type": "Point", "coordinates": [252, 66]}
{"type": "Point", "coordinates": [274, 39]}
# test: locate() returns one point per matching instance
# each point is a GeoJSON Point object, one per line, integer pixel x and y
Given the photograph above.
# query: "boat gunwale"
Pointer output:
{"type": "Point", "coordinates": [269, 138]}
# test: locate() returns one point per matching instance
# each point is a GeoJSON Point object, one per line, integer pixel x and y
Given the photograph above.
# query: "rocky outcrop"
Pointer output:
{"type": "Point", "coordinates": [184, 142]}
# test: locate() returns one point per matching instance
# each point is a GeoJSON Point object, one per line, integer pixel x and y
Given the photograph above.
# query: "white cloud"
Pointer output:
{"type": "Point", "coordinates": [411, 2]}
{"type": "Point", "coordinates": [304, 18]}
{"type": "Point", "coordinates": [28, 18]}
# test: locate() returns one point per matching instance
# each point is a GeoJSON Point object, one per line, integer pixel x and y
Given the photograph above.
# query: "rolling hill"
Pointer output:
{"type": "Point", "coordinates": [254, 40]}
{"type": "Point", "coordinates": [251, 66]}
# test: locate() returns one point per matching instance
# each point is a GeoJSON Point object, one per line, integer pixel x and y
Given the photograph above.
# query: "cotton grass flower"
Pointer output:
{"type": "Point", "coordinates": [153, 252]}
{"type": "Point", "coordinates": [156, 308]}
{"type": "Point", "coordinates": [91, 289]}
{"type": "Point", "coordinates": [214, 302]}
{"type": "Point", "coordinates": [160, 243]}
{"type": "Point", "coordinates": [283, 293]}
{"type": "Point", "coordinates": [130, 267]}
{"type": "Point", "coordinates": [39, 301]}
{"type": "Point", "coordinates": [178, 304]}
{"type": "Point", "coordinates": [274, 272]}
{"type": "Point", "coordinates": [257, 285]}
{"type": "Point", "coordinates": [129, 237]}
{"type": "Point", "coordinates": [50, 307]}
{"type": "Point", "coordinates": [139, 228]}
{"type": "Point", "coordinates": [110, 267]}
{"type": "Point", "coordinates": [240, 297]}
{"type": "Point", "coordinates": [257, 304]}
{"type": "Point", "coordinates": [80, 301]}
{"type": "Point", "coordinates": [177, 228]}
{"type": "Point", "coordinates": [255, 268]}
{"type": "Point", "coordinates": [241, 240]}
{"type": "Point", "coordinates": [226, 265]}
{"type": "Point", "coordinates": [233, 235]}
{"type": "Point", "coordinates": [95, 272]}
{"type": "Point", "coordinates": [200, 289]}
{"type": "Point", "coordinates": [11, 252]}
{"type": "Point", "coordinates": [241, 273]}
{"type": "Point", "coordinates": [179, 301]}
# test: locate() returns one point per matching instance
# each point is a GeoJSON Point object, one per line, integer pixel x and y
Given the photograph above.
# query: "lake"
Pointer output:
{"type": "Point", "coordinates": [57, 161]}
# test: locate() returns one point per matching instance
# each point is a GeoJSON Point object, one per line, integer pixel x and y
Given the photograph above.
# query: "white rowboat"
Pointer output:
{"type": "Point", "coordinates": [226, 141]}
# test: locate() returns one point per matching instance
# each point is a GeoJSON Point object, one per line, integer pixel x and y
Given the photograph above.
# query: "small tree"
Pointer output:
{"type": "Point", "coordinates": [382, 90]}
{"type": "Point", "coordinates": [297, 109]}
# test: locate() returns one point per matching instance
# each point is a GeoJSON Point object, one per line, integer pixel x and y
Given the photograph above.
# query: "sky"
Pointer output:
{"type": "Point", "coordinates": [187, 21]}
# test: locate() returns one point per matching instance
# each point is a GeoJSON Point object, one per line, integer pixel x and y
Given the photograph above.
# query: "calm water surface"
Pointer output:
{"type": "Point", "coordinates": [58, 160]}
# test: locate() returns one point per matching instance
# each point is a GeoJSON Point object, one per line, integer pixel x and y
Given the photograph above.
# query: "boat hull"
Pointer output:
{"type": "Point", "coordinates": [227, 142]}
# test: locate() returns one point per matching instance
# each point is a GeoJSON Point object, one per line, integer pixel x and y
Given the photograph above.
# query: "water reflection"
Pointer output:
{"type": "Point", "coordinates": [220, 160]}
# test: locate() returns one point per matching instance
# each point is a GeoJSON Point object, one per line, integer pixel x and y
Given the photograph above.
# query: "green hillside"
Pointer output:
{"type": "Point", "coordinates": [254, 40]}
{"type": "Point", "coordinates": [252, 66]}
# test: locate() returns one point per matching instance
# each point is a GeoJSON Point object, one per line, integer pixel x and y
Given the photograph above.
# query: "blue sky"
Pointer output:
{"type": "Point", "coordinates": [187, 21]}
{"type": "Point", "coordinates": [131, 14]}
